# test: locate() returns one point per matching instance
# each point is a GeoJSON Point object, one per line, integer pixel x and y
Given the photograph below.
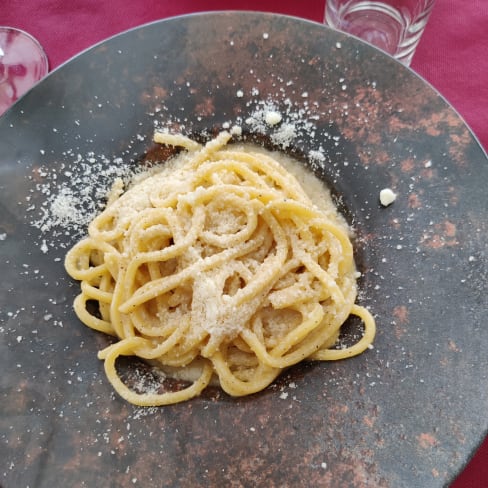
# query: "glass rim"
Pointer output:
{"type": "Point", "coordinates": [44, 58]}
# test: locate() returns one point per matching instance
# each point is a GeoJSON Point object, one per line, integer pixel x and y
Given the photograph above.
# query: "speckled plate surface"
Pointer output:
{"type": "Point", "coordinates": [407, 413]}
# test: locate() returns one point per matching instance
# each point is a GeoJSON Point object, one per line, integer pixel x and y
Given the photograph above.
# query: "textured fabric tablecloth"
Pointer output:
{"type": "Point", "coordinates": [452, 57]}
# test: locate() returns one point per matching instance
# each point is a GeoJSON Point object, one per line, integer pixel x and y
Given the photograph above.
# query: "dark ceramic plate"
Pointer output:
{"type": "Point", "coordinates": [409, 412]}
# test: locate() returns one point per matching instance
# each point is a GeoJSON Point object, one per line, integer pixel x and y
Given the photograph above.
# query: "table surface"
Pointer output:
{"type": "Point", "coordinates": [452, 57]}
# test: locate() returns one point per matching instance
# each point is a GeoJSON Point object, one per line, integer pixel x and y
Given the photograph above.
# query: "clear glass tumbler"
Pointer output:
{"type": "Point", "coordinates": [395, 26]}
{"type": "Point", "coordinates": [23, 63]}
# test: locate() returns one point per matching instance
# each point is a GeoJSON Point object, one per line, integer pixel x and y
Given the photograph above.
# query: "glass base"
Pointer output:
{"type": "Point", "coordinates": [380, 24]}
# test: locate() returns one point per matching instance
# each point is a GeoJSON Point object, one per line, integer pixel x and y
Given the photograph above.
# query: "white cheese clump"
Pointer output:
{"type": "Point", "coordinates": [387, 197]}
{"type": "Point", "coordinates": [272, 117]}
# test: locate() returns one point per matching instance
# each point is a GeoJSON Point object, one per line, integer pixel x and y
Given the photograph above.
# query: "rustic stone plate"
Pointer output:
{"type": "Point", "coordinates": [409, 412]}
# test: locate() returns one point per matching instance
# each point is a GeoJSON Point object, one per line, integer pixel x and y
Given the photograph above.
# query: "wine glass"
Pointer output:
{"type": "Point", "coordinates": [23, 63]}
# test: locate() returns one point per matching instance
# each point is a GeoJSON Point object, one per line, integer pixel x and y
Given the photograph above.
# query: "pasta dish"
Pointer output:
{"type": "Point", "coordinates": [218, 263]}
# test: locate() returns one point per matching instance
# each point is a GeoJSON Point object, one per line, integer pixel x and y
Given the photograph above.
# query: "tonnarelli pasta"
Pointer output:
{"type": "Point", "coordinates": [220, 263]}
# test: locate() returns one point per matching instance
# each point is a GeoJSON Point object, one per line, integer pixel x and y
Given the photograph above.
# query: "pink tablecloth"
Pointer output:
{"type": "Point", "coordinates": [452, 56]}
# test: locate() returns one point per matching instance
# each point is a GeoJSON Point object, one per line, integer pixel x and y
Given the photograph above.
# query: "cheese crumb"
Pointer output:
{"type": "Point", "coordinates": [44, 247]}
{"type": "Point", "coordinates": [272, 117]}
{"type": "Point", "coordinates": [236, 130]}
{"type": "Point", "coordinates": [387, 197]}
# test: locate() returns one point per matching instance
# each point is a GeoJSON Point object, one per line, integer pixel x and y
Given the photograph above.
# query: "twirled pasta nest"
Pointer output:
{"type": "Point", "coordinates": [220, 262]}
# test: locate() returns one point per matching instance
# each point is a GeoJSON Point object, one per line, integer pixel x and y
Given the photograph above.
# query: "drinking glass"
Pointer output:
{"type": "Point", "coordinates": [395, 26]}
{"type": "Point", "coordinates": [23, 63]}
